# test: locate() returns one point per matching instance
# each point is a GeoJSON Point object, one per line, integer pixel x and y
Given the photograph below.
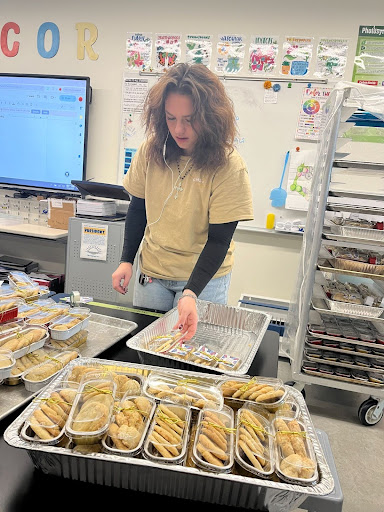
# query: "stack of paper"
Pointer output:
{"type": "Point", "coordinates": [96, 207]}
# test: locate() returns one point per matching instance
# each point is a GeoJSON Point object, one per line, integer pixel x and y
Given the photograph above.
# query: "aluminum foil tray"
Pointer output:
{"type": "Point", "coordinates": [224, 329]}
{"type": "Point", "coordinates": [172, 480]}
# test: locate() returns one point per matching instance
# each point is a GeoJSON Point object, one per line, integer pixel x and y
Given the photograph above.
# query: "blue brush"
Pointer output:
{"type": "Point", "coordinates": [279, 195]}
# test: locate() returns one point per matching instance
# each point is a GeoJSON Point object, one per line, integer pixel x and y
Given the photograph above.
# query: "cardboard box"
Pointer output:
{"type": "Point", "coordinates": [59, 212]}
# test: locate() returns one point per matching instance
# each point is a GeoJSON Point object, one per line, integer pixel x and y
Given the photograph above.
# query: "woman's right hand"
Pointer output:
{"type": "Point", "coordinates": [122, 273]}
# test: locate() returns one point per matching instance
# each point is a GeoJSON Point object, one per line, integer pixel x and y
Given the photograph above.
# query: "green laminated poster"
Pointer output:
{"type": "Point", "coordinates": [369, 60]}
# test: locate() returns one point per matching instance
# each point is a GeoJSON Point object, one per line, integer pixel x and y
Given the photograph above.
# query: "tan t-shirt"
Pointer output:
{"type": "Point", "coordinates": [177, 228]}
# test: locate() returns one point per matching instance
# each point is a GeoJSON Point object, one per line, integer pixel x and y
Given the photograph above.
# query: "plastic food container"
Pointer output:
{"type": "Point", "coordinates": [73, 342]}
{"type": "Point", "coordinates": [18, 279]}
{"type": "Point", "coordinates": [295, 458]}
{"type": "Point", "coordinates": [9, 309]}
{"type": "Point", "coordinates": [65, 327]}
{"type": "Point", "coordinates": [127, 384]}
{"type": "Point", "coordinates": [11, 327]}
{"type": "Point", "coordinates": [289, 409]}
{"type": "Point", "coordinates": [46, 422]}
{"type": "Point", "coordinates": [214, 440]}
{"type": "Point", "coordinates": [7, 362]}
{"type": "Point", "coordinates": [48, 314]}
{"type": "Point", "coordinates": [24, 341]}
{"type": "Point", "coordinates": [167, 437]}
{"type": "Point", "coordinates": [38, 377]}
{"type": "Point", "coordinates": [185, 391]}
{"type": "Point", "coordinates": [129, 426]}
{"type": "Point", "coordinates": [254, 442]}
{"type": "Point", "coordinates": [27, 362]}
{"type": "Point", "coordinates": [92, 410]}
{"type": "Point", "coordinates": [266, 392]}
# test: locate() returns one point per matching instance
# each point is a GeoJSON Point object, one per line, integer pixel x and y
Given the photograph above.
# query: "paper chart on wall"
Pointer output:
{"type": "Point", "coordinates": [310, 118]}
{"type": "Point", "coordinates": [299, 183]}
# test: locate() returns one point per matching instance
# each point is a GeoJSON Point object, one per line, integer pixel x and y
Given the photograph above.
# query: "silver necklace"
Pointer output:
{"type": "Point", "coordinates": [181, 176]}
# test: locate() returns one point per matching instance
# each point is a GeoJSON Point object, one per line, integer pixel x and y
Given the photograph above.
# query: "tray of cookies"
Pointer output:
{"type": "Point", "coordinates": [214, 439]}
{"type": "Point", "coordinates": [24, 341]}
{"type": "Point", "coordinates": [40, 375]}
{"type": "Point", "coordinates": [9, 307]}
{"type": "Point", "coordinates": [228, 337]}
{"type": "Point", "coordinates": [51, 411]}
{"type": "Point", "coordinates": [74, 341]}
{"type": "Point", "coordinates": [65, 327]}
{"type": "Point", "coordinates": [129, 425]}
{"type": "Point", "coordinates": [166, 442]}
{"type": "Point", "coordinates": [254, 442]}
{"type": "Point", "coordinates": [7, 363]}
{"type": "Point", "coordinates": [92, 409]}
{"type": "Point", "coordinates": [208, 470]}
{"type": "Point", "coordinates": [267, 392]}
{"type": "Point", "coordinates": [178, 390]}
{"type": "Point", "coordinates": [294, 455]}
{"type": "Point", "coordinates": [48, 314]}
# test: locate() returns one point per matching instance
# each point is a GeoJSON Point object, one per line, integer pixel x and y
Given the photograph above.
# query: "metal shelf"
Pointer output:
{"type": "Point", "coordinates": [372, 166]}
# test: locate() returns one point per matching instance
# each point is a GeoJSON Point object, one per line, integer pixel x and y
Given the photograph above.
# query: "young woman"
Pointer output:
{"type": "Point", "coordinates": [189, 188]}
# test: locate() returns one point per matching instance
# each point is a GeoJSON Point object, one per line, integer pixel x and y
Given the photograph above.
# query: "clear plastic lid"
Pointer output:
{"type": "Point", "coordinates": [48, 314]}
{"type": "Point", "coordinates": [186, 391]}
{"type": "Point", "coordinates": [213, 444]}
{"type": "Point", "coordinates": [80, 312]}
{"type": "Point", "coordinates": [294, 454]}
{"type": "Point", "coordinates": [254, 441]}
{"type": "Point", "coordinates": [32, 359]}
{"type": "Point", "coordinates": [23, 338]}
{"type": "Point", "coordinates": [74, 341]}
{"type": "Point", "coordinates": [289, 409]}
{"type": "Point", "coordinates": [7, 362]}
{"type": "Point", "coordinates": [50, 366]}
{"type": "Point", "coordinates": [11, 327]}
{"type": "Point", "coordinates": [167, 437]}
{"type": "Point", "coordinates": [27, 310]}
{"type": "Point", "coordinates": [92, 410]}
{"type": "Point", "coordinates": [46, 423]}
{"type": "Point", "coordinates": [266, 391]}
{"type": "Point", "coordinates": [129, 425]}
{"type": "Point", "coordinates": [127, 384]}
{"type": "Point", "coordinates": [7, 303]}
{"type": "Point", "coordinates": [18, 279]}
{"type": "Point", "coordinates": [26, 292]}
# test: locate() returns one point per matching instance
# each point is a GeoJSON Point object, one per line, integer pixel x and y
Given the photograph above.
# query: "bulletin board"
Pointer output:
{"type": "Point", "coordinates": [266, 132]}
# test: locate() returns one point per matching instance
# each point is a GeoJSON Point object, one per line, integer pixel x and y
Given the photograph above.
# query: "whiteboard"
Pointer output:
{"type": "Point", "coordinates": [266, 133]}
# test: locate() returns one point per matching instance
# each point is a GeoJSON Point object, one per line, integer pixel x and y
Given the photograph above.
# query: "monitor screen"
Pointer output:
{"type": "Point", "coordinates": [43, 130]}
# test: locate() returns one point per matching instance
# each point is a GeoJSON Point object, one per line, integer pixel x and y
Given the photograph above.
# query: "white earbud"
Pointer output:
{"type": "Point", "coordinates": [165, 145]}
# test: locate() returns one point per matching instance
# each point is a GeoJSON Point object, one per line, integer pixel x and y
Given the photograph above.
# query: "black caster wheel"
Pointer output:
{"type": "Point", "coordinates": [367, 414]}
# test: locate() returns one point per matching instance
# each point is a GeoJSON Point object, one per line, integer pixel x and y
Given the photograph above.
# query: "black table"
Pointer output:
{"type": "Point", "coordinates": [22, 487]}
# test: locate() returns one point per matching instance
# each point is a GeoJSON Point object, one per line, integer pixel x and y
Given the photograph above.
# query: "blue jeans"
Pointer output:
{"type": "Point", "coordinates": [163, 294]}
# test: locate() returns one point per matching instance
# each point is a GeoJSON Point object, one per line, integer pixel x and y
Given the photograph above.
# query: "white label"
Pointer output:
{"type": "Point", "coordinates": [56, 203]}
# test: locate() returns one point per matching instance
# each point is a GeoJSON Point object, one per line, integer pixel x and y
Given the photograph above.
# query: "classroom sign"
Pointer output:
{"type": "Point", "coordinates": [369, 59]}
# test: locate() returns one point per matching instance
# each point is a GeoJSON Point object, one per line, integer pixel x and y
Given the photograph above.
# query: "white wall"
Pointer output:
{"type": "Point", "coordinates": [264, 265]}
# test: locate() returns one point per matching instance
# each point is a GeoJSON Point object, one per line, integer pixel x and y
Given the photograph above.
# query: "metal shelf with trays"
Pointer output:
{"type": "Point", "coordinates": [305, 308]}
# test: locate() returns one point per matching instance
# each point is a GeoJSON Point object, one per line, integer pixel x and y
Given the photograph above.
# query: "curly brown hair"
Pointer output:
{"type": "Point", "coordinates": [213, 112]}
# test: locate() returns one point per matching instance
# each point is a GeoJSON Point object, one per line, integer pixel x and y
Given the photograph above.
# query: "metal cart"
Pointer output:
{"type": "Point", "coordinates": [309, 304]}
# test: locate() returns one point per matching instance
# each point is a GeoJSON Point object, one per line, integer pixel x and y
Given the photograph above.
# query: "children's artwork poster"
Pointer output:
{"type": "Point", "coordinates": [139, 51]}
{"type": "Point", "coordinates": [369, 60]}
{"type": "Point", "coordinates": [297, 54]}
{"type": "Point", "coordinates": [331, 57]}
{"type": "Point", "coordinates": [300, 176]}
{"type": "Point", "coordinates": [168, 50]}
{"type": "Point", "coordinates": [198, 49]}
{"type": "Point", "coordinates": [310, 121]}
{"type": "Point", "coordinates": [230, 53]}
{"type": "Point", "coordinates": [263, 54]}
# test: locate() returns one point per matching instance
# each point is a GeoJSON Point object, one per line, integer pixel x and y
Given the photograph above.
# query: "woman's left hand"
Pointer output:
{"type": "Point", "coordinates": [188, 318]}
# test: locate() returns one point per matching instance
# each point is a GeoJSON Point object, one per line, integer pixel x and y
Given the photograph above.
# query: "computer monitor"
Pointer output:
{"type": "Point", "coordinates": [43, 131]}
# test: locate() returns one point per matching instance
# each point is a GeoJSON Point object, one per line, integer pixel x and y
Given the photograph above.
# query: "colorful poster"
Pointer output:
{"type": "Point", "coordinates": [310, 119]}
{"type": "Point", "coordinates": [198, 49]}
{"type": "Point", "coordinates": [139, 51]}
{"type": "Point", "coordinates": [369, 59]}
{"type": "Point", "coordinates": [263, 54]}
{"type": "Point", "coordinates": [300, 175]}
{"type": "Point", "coordinates": [230, 53]}
{"type": "Point", "coordinates": [297, 54]}
{"type": "Point", "coordinates": [331, 57]}
{"type": "Point", "coordinates": [168, 50]}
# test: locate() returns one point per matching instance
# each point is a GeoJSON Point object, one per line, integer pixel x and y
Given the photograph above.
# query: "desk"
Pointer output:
{"type": "Point", "coordinates": [34, 230]}
{"type": "Point", "coordinates": [22, 487]}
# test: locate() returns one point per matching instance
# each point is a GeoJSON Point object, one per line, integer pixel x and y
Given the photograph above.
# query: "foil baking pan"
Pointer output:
{"type": "Point", "coordinates": [227, 330]}
{"type": "Point", "coordinates": [173, 480]}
